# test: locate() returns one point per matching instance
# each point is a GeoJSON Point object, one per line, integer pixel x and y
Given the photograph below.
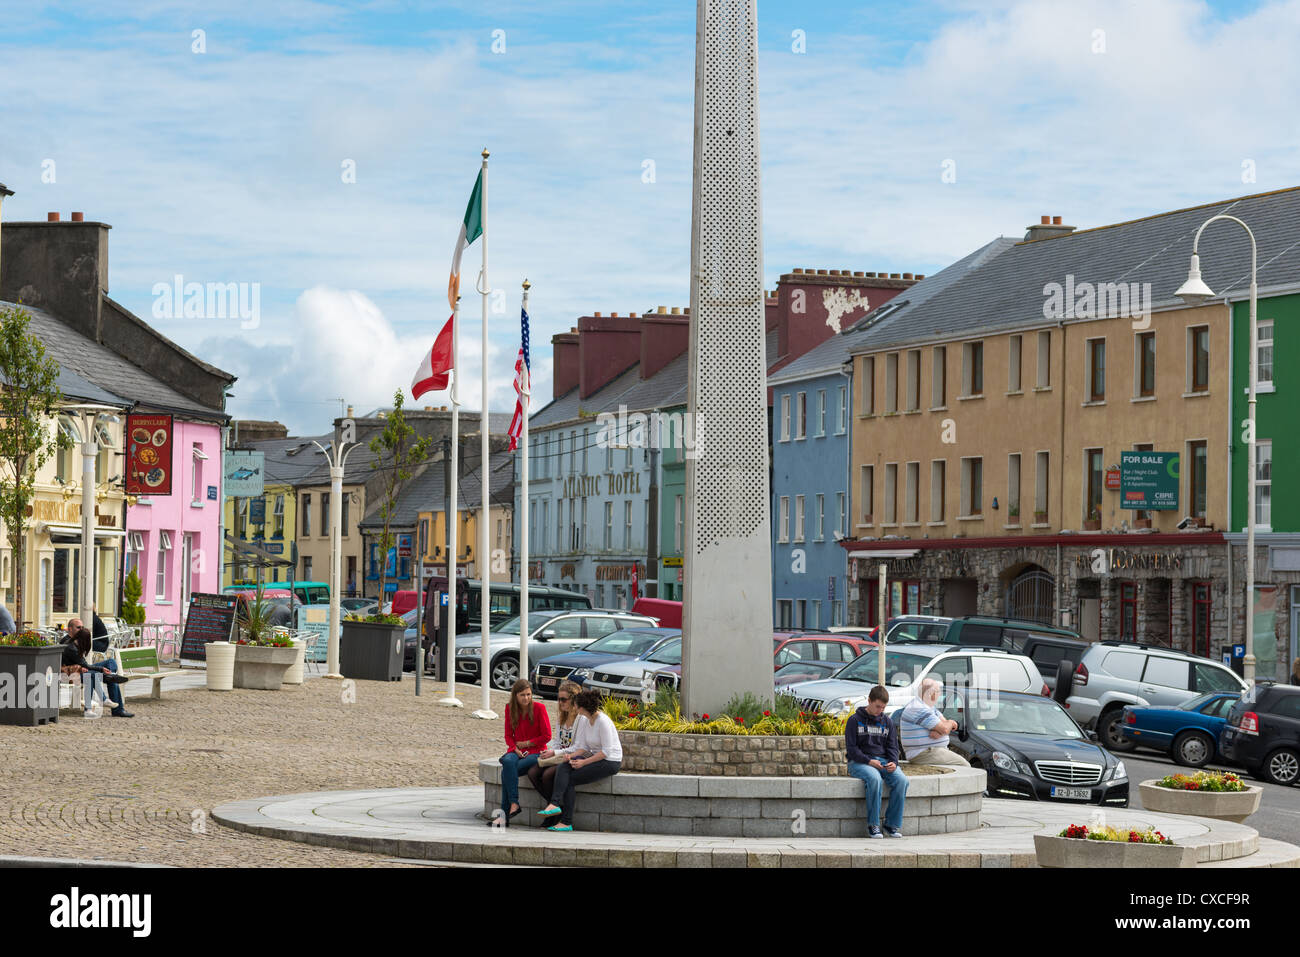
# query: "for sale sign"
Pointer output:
{"type": "Point", "coordinates": [1149, 480]}
{"type": "Point", "coordinates": [148, 454]}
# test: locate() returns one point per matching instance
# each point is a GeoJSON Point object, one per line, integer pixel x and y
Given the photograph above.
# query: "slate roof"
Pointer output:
{"type": "Point", "coordinates": [1007, 292]}
{"type": "Point", "coordinates": [308, 465]}
{"type": "Point", "coordinates": [498, 422]}
{"type": "Point", "coordinates": [835, 351]}
{"type": "Point", "coordinates": [104, 368]}
{"type": "Point", "coordinates": [427, 491]}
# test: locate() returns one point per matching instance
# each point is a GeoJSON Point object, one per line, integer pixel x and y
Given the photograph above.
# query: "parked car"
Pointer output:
{"type": "Point", "coordinates": [411, 639]}
{"type": "Point", "coordinates": [905, 668]}
{"type": "Point", "coordinates": [1009, 633]}
{"type": "Point", "coordinates": [1112, 674]}
{"type": "Point", "coordinates": [1188, 733]}
{"type": "Point", "coordinates": [550, 633]}
{"type": "Point", "coordinates": [1031, 748]}
{"type": "Point", "coordinates": [862, 631]}
{"type": "Point", "coordinates": [668, 612]}
{"type": "Point", "coordinates": [503, 601]}
{"type": "Point", "coordinates": [358, 606]}
{"type": "Point", "coordinates": [1262, 733]}
{"type": "Point", "coordinates": [789, 647]}
{"type": "Point", "coordinates": [798, 672]}
{"type": "Point", "coordinates": [924, 629]}
{"type": "Point", "coordinates": [624, 678]}
{"type": "Point", "coordinates": [546, 676]}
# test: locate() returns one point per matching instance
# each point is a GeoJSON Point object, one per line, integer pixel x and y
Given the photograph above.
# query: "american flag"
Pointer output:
{"type": "Point", "coordinates": [523, 385]}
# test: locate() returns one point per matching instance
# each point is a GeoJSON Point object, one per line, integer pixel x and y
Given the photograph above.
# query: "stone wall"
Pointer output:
{"type": "Point", "coordinates": [718, 755]}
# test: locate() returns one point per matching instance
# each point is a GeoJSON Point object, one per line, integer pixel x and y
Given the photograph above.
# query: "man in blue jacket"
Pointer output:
{"type": "Point", "coordinates": [873, 759]}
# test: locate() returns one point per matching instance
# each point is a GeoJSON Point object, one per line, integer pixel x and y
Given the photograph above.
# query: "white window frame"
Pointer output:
{"type": "Point", "coordinates": [821, 518]}
{"type": "Point", "coordinates": [891, 494]}
{"type": "Point", "coordinates": [1262, 384]}
{"type": "Point", "coordinates": [938, 378]}
{"type": "Point", "coordinates": [938, 490]}
{"type": "Point", "coordinates": [1263, 502]}
{"type": "Point", "coordinates": [1014, 377]}
{"type": "Point", "coordinates": [844, 410]}
{"type": "Point", "coordinates": [1013, 488]}
{"type": "Point", "coordinates": [912, 384]}
{"type": "Point", "coordinates": [801, 416]}
{"type": "Point", "coordinates": [609, 526]}
{"type": "Point", "coordinates": [912, 493]}
{"type": "Point", "coordinates": [866, 495]}
{"type": "Point", "coordinates": [627, 525]}
{"type": "Point", "coordinates": [798, 517]}
{"type": "Point", "coordinates": [843, 526]}
{"type": "Point", "coordinates": [1044, 371]}
{"type": "Point", "coordinates": [162, 574]}
{"type": "Point", "coordinates": [821, 413]}
{"type": "Point", "coordinates": [783, 528]}
{"type": "Point", "coordinates": [891, 383]}
{"type": "Point", "coordinates": [785, 417]}
{"type": "Point", "coordinates": [867, 403]}
{"type": "Point", "coordinates": [679, 524]}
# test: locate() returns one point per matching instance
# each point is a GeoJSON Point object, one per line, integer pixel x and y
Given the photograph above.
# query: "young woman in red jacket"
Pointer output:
{"type": "Point", "coordinates": [528, 729]}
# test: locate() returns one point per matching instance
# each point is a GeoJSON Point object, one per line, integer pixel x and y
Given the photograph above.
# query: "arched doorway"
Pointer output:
{"type": "Point", "coordinates": [1031, 596]}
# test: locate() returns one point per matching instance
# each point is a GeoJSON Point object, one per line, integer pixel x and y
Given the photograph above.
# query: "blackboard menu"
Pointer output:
{"type": "Point", "coordinates": [211, 618]}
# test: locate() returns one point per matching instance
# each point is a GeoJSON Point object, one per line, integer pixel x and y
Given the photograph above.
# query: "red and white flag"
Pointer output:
{"type": "Point", "coordinates": [432, 375]}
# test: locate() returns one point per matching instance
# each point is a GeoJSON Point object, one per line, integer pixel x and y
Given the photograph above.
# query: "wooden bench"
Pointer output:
{"type": "Point", "coordinates": [143, 663]}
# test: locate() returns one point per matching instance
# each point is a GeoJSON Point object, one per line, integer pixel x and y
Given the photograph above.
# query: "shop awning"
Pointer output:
{"type": "Point", "coordinates": [66, 533]}
{"type": "Point", "coordinates": [885, 553]}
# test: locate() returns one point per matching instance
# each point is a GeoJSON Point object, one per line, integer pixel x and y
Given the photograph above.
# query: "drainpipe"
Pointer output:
{"type": "Point", "coordinates": [1060, 468]}
{"type": "Point", "coordinates": [846, 370]}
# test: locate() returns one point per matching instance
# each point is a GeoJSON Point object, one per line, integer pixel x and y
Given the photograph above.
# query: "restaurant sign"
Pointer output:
{"type": "Point", "coordinates": [148, 454]}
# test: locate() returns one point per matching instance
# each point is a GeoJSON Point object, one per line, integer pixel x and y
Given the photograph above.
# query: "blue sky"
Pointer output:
{"type": "Point", "coordinates": [226, 165]}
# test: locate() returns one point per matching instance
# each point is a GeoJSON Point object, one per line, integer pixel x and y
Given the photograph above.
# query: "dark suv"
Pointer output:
{"type": "Point", "coordinates": [1049, 647]}
{"type": "Point", "coordinates": [1262, 733]}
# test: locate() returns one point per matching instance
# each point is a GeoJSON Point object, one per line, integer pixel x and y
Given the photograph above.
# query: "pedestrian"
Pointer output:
{"type": "Point", "coordinates": [924, 731]}
{"type": "Point", "coordinates": [595, 754]}
{"type": "Point", "coordinates": [528, 728]}
{"type": "Point", "coordinates": [542, 774]}
{"type": "Point", "coordinates": [873, 760]}
{"type": "Point", "coordinates": [74, 662]}
{"type": "Point", "coordinates": [7, 626]}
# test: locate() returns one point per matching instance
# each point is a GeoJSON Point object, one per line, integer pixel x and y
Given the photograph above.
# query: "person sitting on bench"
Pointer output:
{"type": "Point", "coordinates": [74, 662]}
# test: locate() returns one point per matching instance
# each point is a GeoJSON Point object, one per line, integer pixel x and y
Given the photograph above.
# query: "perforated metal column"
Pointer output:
{"type": "Point", "coordinates": [727, 618]}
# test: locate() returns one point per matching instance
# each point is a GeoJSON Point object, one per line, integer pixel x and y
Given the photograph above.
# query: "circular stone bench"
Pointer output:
{"type": "Point", "coordinates": [744, 806]}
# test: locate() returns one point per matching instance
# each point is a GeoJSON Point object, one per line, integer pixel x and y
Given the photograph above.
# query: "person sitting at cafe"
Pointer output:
{"type": "Point", "coordinates": [74, 661]}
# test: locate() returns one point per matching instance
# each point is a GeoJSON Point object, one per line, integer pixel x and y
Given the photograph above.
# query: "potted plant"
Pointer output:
{"type": "Point", "coordinates": [1217, 794]}
{"type": "Point", "coordinates": [261, 656]}
{"type": "Point", "coordinates": [1040, 517]}
{"type": "Point", "coordinates": [1013, 512]}
{"type": "Point", "coordinates": [866, 519]}
{"type": "Point", "coordinates": [1093, 522]}
{"type": "Point", "coordinates": [1080, 845]}
{"type": "Point", "coordinates": [373, 647]}
{"type": "Point", "coordinates": [29, 679]}
{"type": "Point", "coordinates": [1141, 523]}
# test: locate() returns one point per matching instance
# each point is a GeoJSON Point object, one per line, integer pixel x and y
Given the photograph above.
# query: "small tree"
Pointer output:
{"type": "Point", "coordinates": [132, 611]}
{"type": "Point", "coordinates": [397, 453]}
{"type": "Point", "coordinates": [29, 398]}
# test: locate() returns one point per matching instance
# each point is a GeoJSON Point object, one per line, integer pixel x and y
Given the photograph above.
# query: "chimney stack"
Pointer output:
{"type": "Point", "coordinates": [63, 271]}
{"type": "Point", "coordinates": [607, 347]}
{"type": "Point", "coordinates": [1048, 227]}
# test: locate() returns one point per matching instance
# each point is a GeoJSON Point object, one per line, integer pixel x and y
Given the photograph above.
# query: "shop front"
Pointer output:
{"type": "Point", "coordinates": [54, 577]}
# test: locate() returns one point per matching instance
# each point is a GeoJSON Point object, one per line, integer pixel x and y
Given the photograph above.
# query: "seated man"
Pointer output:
{"type": "Point", "coordinates": [924, 730]}
{"type": "Point", "coordinates": [873, 759]}
{"type": "Point", "coordinates": [74, 661]}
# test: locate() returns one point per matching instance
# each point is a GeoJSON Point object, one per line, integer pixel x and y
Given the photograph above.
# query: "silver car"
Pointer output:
{"type": "Point", "coordinates": [906, 668]}
{"type": "Point", "coordinates": [627, 679]}
{"type": "Point", "coordinates": [1112, 674]}
{"type": "Point", "coordinates": [550, 633]}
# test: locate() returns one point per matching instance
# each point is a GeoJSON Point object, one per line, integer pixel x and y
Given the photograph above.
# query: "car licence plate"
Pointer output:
{"type": "Point", "coordinates": [1072, 794]}
{"type": "Point", "coordinates": [549, 682]}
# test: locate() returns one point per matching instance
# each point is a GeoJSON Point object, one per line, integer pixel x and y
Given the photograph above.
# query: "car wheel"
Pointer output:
{"type": "Point", "coordinates": [1064, 680]}
{"type": "Point", "coordinates": [1109, 727]}
{"type": "Point", "coordinates": [1192, 749]}
{"type": "Point", "coordinates": [505, 672]}
{"type": "Point", "coordinates": [1281, 767]}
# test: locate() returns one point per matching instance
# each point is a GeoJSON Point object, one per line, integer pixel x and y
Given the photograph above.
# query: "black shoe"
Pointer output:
{"type": "Point", "coordinates": [873, 830]}
{"type": "Point", "coordinates": [121, 713]}
{"type": "Point", "coordinates": [115, 679]}
{"type": "Point", "coordinates": [516, 812]}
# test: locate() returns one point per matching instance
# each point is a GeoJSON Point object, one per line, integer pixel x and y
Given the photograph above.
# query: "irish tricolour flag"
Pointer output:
{"type": "Point", "coordinates": [432, 375]}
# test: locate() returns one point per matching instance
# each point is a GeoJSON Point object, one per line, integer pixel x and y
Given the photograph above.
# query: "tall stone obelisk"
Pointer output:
{"type": "Point", "coordinates": [727, 619]}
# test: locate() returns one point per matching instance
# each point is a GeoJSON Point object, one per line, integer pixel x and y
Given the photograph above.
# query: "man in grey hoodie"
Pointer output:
{"type": "Point", "coordinates": [872, 746]}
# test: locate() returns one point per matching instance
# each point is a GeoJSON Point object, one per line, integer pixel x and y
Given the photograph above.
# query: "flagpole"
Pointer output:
{"type": "Point", "coordinates": [484, 558]}
{"type": "Point", "coordinates": [452, 516]}
{"type": "Point", "coordinates": [526, 398]}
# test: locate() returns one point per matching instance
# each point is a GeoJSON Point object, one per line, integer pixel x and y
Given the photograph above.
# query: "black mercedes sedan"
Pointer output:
{"type": "Point", "coordinates": [1032, 749]}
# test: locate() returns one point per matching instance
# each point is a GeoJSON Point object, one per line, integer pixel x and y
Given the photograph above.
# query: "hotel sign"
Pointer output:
{"type": "Point", "coordinates": [614, 483]}
{"type": "Point", "coordinates": [1149, 480]}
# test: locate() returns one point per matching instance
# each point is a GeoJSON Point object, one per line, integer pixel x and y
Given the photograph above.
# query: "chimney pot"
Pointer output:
{"type": "Point", "coordinates": [920, 276]}
{"type": "Point", "coordinates": [1045, 220]}
{"type": "Point", "coordinates": [613, 315]}
{"type": "Point", "coordinates": [1056, 220]}
{"type": "Point", "coordinates": [663, 310]}
{"type": "Point", "coordinates": [894, 275]}
{"type": "Point", "coordinates": [597, 315]}
{"type": "Point", "coordinates": [871, 275]}
{"type": "Point", "coordinates": [51, 217]}
{"type": "Point", "coordinates": [907, 275]}
{"type": "Point", "coordinates": [798, 272]}
{"type": "Point", "coordinates": [349, 412]}
{"type": "Point", "coordinates": [821, 272]}
{"type": "Point", "coordinates": [575, 328]}
{"type": "Point", "coordinates": [676, 311]}
{"type": "Point", "coordinates": [428, 408]}
{"type": "Point", "coordinates": [857, 274]}
{"type": "Point", "coordinates": [632, 315]}
{"type": "Point", "coordinates": [78, 217]}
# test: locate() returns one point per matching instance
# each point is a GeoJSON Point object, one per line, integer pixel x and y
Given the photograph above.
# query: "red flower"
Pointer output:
{"type": "Point", "coordinates": [704, 717]}
{"type": "Point", "coordinates": [740, 721]}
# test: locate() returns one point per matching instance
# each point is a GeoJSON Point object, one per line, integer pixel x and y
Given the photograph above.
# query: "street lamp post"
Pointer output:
{"type": "Point", "coordinates": [337, 464]}
{"type": "Point", "coordinates": [89, 417]}
{"type": "Point", "coordinates": [1194, 291]}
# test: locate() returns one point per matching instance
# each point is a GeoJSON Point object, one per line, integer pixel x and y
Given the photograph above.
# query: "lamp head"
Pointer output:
{"type": "Point", "coordinates": [1194, 291]}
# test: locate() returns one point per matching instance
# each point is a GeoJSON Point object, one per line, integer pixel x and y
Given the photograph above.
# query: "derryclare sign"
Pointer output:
{"type": "Point", "coordinates": [148, 455]}
{"type": "Point", "coordinates": [1148, 480]}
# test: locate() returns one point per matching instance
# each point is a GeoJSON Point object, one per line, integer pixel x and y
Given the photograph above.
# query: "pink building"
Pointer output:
{"type": "Point", "coordinates": [174, 541]}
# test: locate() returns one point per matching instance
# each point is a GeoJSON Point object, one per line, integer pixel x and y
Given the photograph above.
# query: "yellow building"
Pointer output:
{"type": "Point", "coordinates": [270, 523]}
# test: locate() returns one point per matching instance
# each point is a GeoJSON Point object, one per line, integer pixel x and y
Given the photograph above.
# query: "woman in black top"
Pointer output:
{"type": "Point", "coordinates": [74, 662]}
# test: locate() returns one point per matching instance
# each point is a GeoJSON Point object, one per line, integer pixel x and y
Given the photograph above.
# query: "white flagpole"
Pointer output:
{"type": "Point", "coordinates": [526, 400]}
{"type": "Point", "coordinates": [453, 515]}
{"type": "Point", "coordinates": [484, 558]}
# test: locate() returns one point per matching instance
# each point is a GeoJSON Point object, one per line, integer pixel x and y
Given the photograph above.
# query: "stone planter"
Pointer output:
{"type": "Point", "coordinates": [370, 651]}
{"type": "Point", "coordinates": [1233, 806]}
{"type": "Point", "coordinates": [734, 755]}
{"type": "Point", "coordinates": [29, 684]}
{"type": "Point", "coordinates": [221, 665]}
{"type": "Point", "coordinates": [295, 674]}
{"type": "Point", "coordinates": [262, 668]}
{"type": "Point", "coordinates": [1053, 851]}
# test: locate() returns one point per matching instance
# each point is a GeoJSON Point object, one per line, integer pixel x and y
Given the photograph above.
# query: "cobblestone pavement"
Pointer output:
{"type": "Point", "coordinates": [142, 789]}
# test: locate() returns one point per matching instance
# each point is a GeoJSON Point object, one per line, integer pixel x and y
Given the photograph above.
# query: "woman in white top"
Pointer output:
{"type": "Point", "coordinates": [594, 754]}
{"type": "Point", "coordinates": [565, 727]}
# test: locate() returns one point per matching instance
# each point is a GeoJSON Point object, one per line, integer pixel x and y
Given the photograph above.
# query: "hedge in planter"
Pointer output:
{"type": "Point", "coordinates": [29, 679]}
{"type": "Point", "coordinates": [373, 648]}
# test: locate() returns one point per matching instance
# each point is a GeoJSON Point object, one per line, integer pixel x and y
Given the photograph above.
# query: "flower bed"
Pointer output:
{"type": "Point", "coordinates": [740, 716]}
{"type": "Point", "coordinates": [25, 639]}
{"type": "Point", "coordinates": [1216, 781]}
{"type": "Point", "coordinates": [1083, 832]}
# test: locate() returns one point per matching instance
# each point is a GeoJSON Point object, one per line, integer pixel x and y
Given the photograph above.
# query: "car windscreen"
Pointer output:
{"type": "Point", "coordinates": [625, 643]}
{"type": "Point", "coordinates": [1194, 704]}
{"type": "Point", "coordinates": [669, 654]}
{"type": "Point", "coordinates": [921, 632]}
{"type": "Point", "coordinates": [1037, 716]}
{"type": "Point", "coordinates": [511, 625]}
{"type": "Point", "coordinates": [901, 669]}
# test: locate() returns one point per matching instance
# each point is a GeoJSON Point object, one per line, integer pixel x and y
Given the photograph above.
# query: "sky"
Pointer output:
{"type": "Point", "coordinates": [320, 154]}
